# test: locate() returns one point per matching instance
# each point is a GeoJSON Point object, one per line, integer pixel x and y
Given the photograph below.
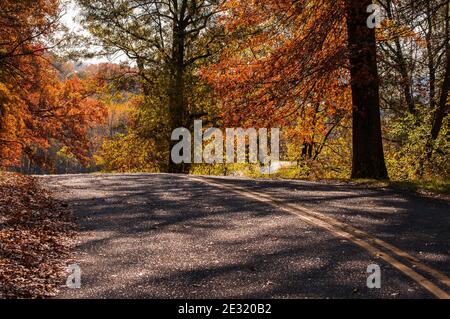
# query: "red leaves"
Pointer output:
{"type": "Point", "coordinates": [281, 58]}
{"type": "Point", "coordinates": [42, 108]}
{"type": "Point", "coordinates": [35, 237]}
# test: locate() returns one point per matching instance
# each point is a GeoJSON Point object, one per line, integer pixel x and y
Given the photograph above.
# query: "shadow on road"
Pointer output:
{"type": "Point", "coordinates": [161, 236]}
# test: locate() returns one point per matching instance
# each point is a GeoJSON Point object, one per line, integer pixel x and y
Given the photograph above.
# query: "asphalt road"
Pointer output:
{"type": "Point", "coordinates": [170, 236]}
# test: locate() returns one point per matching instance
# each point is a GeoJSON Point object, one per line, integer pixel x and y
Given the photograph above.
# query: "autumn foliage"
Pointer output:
{"type": "Point", "coordinates": [351, 100]}
{"type": "Point", "coordinates": [230, 63]}
{"type": "Point", "coordinates": [36, 233]}
{"type": "Point", "coordinates": [38, 104]}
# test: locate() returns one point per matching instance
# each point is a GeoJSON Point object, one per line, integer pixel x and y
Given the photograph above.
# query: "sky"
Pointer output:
{"type": "Point", "coordinates": [70, 20]}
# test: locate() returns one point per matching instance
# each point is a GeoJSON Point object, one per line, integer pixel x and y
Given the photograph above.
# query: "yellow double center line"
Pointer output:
{"type": "Point", "coordinates": [350, 233]}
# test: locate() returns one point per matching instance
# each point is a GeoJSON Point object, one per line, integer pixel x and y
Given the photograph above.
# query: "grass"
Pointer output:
{"type": "Point", "coordinates": [422, 186]}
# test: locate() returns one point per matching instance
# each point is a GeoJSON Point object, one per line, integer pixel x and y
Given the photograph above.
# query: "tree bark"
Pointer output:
{"type": "Point", "coordinates": [430, 51]}
{"type": "Point", "coordinates": [177, 107]}
{"type": "Point", "coordinates": [442, 110]}
{"type": "Point", "coordinates": [368, 156]}
{"type": "Point", "coordinates": [442, 107]}
{"type": "Point", "coordinates": [402, 67]}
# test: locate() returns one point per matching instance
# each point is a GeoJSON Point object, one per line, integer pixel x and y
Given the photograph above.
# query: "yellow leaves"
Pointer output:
{"type": "Point", "coordinates": [127, 153]}
{"type": "Point", "coordinates": [4, 91]}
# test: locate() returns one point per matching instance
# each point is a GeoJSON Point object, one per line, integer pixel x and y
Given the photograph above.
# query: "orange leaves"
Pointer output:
{"type": "Point", "coordinates": [47, 108]}
{"type": "Point", "coordinates": [280, 56]}
{"type": "Point", "coordinates": [24, 25]}
{"type": "Point", "coordinates": [73, 110]}
{"type": "Point", "coordinates": [36, 105]}
{"type": "Point", "coordinates": [284, 64]}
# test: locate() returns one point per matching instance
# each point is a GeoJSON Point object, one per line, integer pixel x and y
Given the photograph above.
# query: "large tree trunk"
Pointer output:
{"type": "Point", "coordinates": [177, 107]}
{"type": "Point", "coordinates": [368, 156]}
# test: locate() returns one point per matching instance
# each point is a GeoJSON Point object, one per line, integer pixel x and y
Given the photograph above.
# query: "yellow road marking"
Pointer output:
{"type": "Point", "coordinates": [349, 232]}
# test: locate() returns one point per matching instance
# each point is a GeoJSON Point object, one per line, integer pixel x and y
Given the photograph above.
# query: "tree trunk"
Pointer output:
{"type": "Point", "coordinates": [368, 156]}
{"type": "Point", "coordinates": [144, 84]}
{"type": "Point", "coordinates": [307, 151]}
{"type": "Point", "coordinates": [406, 81]}
{"type": "Point", "coordinates": [402, 67]}
{"type": "Point", "coordinates": [442, 108]}
{"type": "Point", "coordinates": [431, 64]}
{"type": "Point", "coordinates": [177, 108]}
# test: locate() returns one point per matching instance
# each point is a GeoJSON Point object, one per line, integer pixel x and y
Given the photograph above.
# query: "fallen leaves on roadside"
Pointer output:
{"type": "Point", "coordinates": [35, 237]}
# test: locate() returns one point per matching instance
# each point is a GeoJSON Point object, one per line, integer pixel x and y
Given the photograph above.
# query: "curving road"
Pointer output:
{"type": "Point", "coordinates": [173, 236]}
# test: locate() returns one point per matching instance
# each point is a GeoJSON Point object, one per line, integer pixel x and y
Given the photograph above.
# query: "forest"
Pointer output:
{"type": "Point", "coordinates": [101, 102]}
{"type": "Point", "coordinates": [359, 91]}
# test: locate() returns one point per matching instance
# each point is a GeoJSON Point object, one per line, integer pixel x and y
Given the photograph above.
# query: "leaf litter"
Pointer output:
{"type": "Point", "coordinates": [36, 238]}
